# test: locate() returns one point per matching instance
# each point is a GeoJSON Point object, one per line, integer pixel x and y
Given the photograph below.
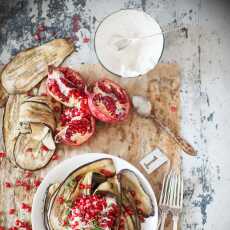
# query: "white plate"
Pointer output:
{"type": "Point", "coordinates": [61, 171]}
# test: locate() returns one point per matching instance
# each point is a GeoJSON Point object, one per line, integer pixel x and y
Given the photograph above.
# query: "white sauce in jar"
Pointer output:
{"type": "Point", "coordinates": [138, 57]}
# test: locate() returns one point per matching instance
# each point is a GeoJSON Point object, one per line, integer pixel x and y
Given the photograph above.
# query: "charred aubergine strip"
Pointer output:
{"type": "Point", "coordinates": [29, 67]}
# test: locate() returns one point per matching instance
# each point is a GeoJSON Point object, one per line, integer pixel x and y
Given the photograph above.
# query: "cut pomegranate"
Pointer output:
{"type": "Point", "coordinates": [77, 125]}
{"type": "Point", "coordinates": [65, 85]}
{"type": "Point", "coordinates": [108, 102]}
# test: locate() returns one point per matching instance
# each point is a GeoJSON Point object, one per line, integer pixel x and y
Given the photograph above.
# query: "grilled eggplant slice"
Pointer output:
{"type": "Point", "coordinates": [132, 188]}
{"type": "Point", "coordinates": [111, 185]}
{"type": "Point", "coordinates": [35, 112]}
{"type": "Point", "coordinates": [68, 190]}
{"type": "Point", "coordinates": [29, 67]}
{"type": "Point", "coordinates": [35, 146]}
{"type": "Point", "coordinates": [132, 213]}
{"type": "Point", "coordinates": [10, 121]}
{"type": "Point", "coordinates": [31, 154]}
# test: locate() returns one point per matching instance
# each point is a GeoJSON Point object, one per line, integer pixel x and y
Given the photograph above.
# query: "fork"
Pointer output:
{"type": "Point", "coordinates": [175, 197]}
{"type": "Point", "coordinates": [163, 205]}
{"type": "Point", "coordinates": [171, 199]}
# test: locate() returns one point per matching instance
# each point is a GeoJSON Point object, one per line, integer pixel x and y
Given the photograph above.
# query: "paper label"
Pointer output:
{"type": "Point", "coordinates": [153, 161]}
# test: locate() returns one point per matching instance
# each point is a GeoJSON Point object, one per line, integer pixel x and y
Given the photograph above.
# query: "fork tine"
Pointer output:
{"type": "Point", "coordinates": [162, 190]}
{"type": "Point", "coordinates": [178, 192]}
{"type": "Point", "coordinates": [173, 190]}
{"type": "Point", "coordinates": [182, 192]}
{"type": "Point", "coordinates": [169, 191]}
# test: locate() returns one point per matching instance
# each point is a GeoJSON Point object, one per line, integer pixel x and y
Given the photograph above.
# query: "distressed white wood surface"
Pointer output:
{"type": "Point", "coordinates": [201, 49]}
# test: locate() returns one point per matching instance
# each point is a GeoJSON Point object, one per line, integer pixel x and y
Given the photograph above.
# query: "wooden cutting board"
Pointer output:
{"type": "Point", "coordinates": [130, 140]}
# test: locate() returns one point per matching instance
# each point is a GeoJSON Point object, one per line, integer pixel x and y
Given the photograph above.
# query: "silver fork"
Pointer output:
{"type": "Point", "coordinates": [176, 197]}
{"type": "Point", "coordinates": [171, 199]}
{"type": "Point", "coordinates": [163, 205]}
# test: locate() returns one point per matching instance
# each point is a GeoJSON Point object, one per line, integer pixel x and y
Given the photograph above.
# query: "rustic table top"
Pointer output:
{"type": "Point", "coordinates": [200, 47]}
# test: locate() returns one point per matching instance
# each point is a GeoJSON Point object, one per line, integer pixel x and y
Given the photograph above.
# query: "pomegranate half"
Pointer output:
{"type": "Point", "coordinates": [76, 125]}
{"type": "Point", "coordinates": [65, 85]}
{"type": "Point", "coordinates": [108, 101]}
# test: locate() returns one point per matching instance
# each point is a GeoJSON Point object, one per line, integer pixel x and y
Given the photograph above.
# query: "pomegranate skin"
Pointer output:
{"type": "Point", "coordinates": [98, 113]}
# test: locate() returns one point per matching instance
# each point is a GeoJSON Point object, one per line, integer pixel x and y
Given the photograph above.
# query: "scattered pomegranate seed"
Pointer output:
{"type": "Point", "coordinates": [8, 185]}
{"type": "Point", "coordinates": [18, 182]}
{"type": "Point", "coordinates": [11, 211]}
{"type": "Point", "coordinates": [13, 228]}
{"type": "Point", "coordinates": [28, 174]}
{"type": "Point", "coordinates": [44, 148]}
{"type": "Point", "coordinates": [44, 94]}
{"type": "Point", "coordinates": [2, 228]}
{"type": "Point", "coordinates": [55, 157]}
{"type": "Point", "coordinates": [2, 154]}
{"type": "Point", "coordinates": [23, 224]}
{"type": "Point", "coordinates": [65, 223]}
{"type": "Point", "coordinates": [173, 109]}
{"type": "Point", "coordinates": [37, 37]}
{"type": "Point", "coordinates": [86, 40]}
{"type": "Point", "coordinates": [37, 183]}
{"type": "Point", "coordinates": [26, 207]}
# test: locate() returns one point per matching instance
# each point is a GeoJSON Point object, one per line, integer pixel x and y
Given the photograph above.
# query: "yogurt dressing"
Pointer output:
{"type": "Point", "coordinates": [137, 58]}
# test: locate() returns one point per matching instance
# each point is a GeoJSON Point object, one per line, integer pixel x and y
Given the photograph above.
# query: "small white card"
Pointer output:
{"type": "Point", "coordinates": [153, 160]}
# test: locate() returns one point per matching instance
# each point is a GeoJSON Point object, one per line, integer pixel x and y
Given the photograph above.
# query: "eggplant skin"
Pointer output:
{"type": "Point", "coordinates": [129, 182]}
{"type": "Point", "coordinates": [3, 94]}
{"type": "Point", "coordinates": [50, 192]}
{"type": "Point", "coordinates": [30, 66]}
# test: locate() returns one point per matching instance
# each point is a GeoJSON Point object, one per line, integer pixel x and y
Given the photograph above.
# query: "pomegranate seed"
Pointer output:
{"type": "Point", "coordinates": [2, 154]}
{"type": "Point", "coordinates": [2, 228]}
{"type": "Point", "coordinates": [26, 207]}
{"type": "Point", "coordinates": [55, 157]}
{"type": "Point", "coordinates": [8, 185]}
{"type": "Point", "coordinates": [86, 40]}
{"type": "Point", "coordinates": [11, 211]}
{"type": "Point", "coordinates": [18, 182]}
{"type": "Point", "coordinates": [28, 174]}
{"type": "Point", "coordinates": [106, 173]}
{"type": "Point", "coordinates": [173, 109]}
{"type": "Point", "coordinates": [37, 37]}
{"type": "Point", "coordinates": [13, 228]}
{"type": "Point", "coordinates": [37, 183]}
{"type": "Point", "coordinates": [44, 148]}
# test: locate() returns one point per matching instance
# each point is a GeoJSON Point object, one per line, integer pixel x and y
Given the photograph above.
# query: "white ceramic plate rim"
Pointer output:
{"type": "Point", "coordinates": [62, 170]}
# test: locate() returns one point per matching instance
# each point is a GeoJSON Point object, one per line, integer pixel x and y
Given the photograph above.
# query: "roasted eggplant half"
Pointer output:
{"type": "Point", "coordinates": [132, 188]}
{"type": "Point", "coordinates": [29, 67]}
{"type": "Point", "coordinates": [28, 126]}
